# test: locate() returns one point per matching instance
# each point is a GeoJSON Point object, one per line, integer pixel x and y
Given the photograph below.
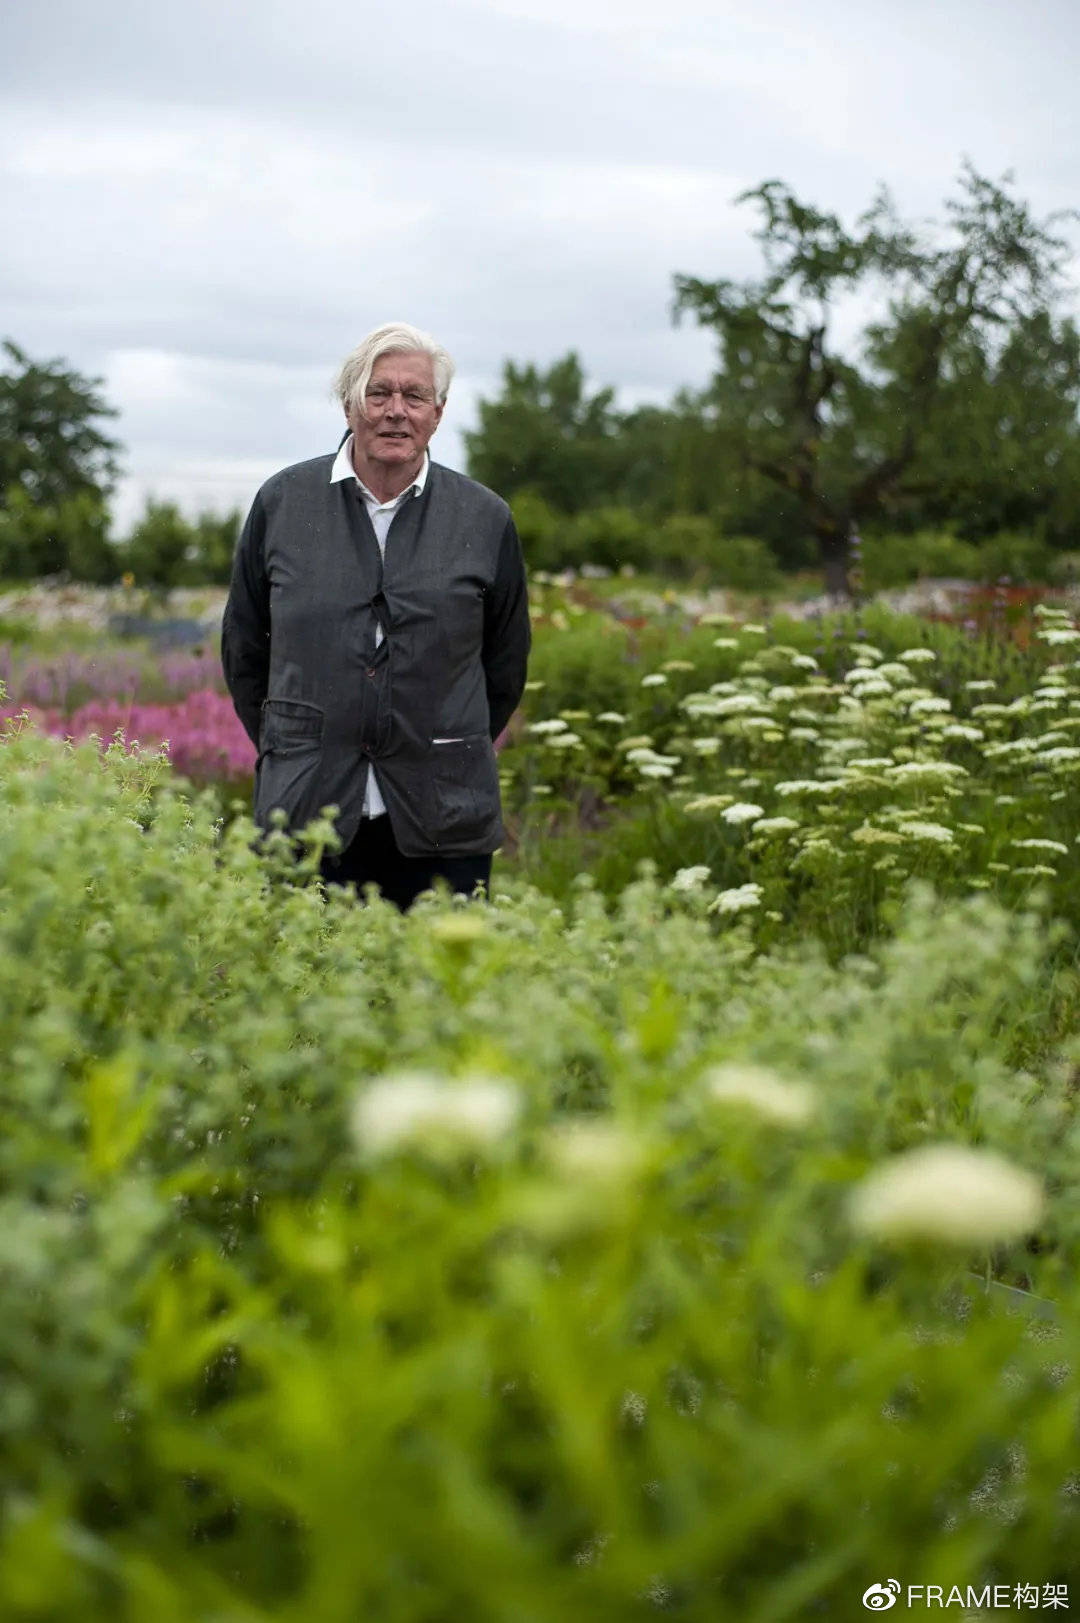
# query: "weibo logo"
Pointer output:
{"type": "Point", "coordinates": [879, 1597]}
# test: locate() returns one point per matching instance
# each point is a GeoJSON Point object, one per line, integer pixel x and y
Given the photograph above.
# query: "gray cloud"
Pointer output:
{"type": "Point", "coordinates": [209, 205]}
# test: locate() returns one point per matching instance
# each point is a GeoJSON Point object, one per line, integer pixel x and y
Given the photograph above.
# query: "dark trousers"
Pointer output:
{"type": "Point", "coordinates": [374, 859]}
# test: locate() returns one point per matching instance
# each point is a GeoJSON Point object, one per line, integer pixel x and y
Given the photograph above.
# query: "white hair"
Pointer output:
{"type": "Point", "coordinates": [393, 338]}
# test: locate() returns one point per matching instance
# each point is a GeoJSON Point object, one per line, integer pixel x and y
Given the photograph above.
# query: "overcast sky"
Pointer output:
{"type": "Point", "coordinates": [209, 204]}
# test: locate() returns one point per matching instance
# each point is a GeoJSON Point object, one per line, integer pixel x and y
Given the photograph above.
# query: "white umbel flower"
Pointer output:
{"type": "Point", "coordinates": [917, 656]}
{"type": "Point", "coordinates": [760, 1091]}
{"type": "Point", "coordinates": [775, 825]}
{"type": "Point", "coordinates": [742, 899]}
{"type": "Point", "coordinates": [418, 1107]}
{"type": "Point", "coordinates": [743, 811]}
{"type": "Point", "coordinates": [950, 1193]}
{"type": "Point", "coordinates": [934, 833]}
{"type": "Point", "coordinates": [690, 878]}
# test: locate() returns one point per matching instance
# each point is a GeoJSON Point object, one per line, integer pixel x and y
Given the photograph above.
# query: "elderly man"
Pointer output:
{"type": "Point", "coordinates": [376, 635]}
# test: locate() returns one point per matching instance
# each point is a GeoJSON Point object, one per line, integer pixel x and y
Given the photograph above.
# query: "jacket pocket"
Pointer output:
{"type": "Point", "coordinates": [289, 725]}
{"type": "Point", "coordinates": [465, 788]}
{"type": "Point", "coordinates": [287, 772]}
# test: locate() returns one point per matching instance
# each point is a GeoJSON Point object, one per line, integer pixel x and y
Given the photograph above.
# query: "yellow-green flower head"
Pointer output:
{"type": "Point", "coordinates": [949, 1193]}
{"type": "Point", "coordinates": [707, 803]}
{"type": "Point", "coordinates": [598, 1151]}
{"type": "Point", "coordinates": [459, 929]}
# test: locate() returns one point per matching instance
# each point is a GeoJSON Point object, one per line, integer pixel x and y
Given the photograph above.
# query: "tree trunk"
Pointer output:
{"type": "Point", "coordinates": [835, 560]}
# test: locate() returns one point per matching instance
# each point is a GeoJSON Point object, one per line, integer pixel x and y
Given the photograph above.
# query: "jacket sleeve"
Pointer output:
{"type": "Point", "coordinates": [245, 629]}
{"type": "Point", "coordinates": [507, 633]}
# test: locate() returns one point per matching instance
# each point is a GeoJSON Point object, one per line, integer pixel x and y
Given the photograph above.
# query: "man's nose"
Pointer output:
{"type": "Point", "coordinates": [395, 406]}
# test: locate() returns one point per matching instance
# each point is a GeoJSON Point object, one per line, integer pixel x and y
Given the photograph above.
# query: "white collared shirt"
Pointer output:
{"type": "Point", "coordinates": [381, 515]}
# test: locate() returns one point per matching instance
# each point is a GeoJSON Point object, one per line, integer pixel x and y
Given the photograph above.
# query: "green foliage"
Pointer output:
{"type": "Point", "coordinates": [1005, 454]}
{"type": "Point", "coordinates": [165, 549]}
{"type": "Point", "coordinates": [612, 537]}
{"type": "Point", "coordinates": [546, 435]}
{"type": "Point", "coordinates": [898, 558]}
{"type": "Point", "coordinates": [686, 546]}
{"type": "Point", "coordinates": [955, 410]}
{"type": "Point", "coordinates": [937, 394]}
{"type": "Point", "coordinates": [744, 563]}
{"type": "Point", "coordinates": [50, 442]}
{"type": "Point", "coordinates": [827, 762]}
{"type": "Point", "coordinates": [66, 536]}
{"type": "Point", "coordinates": [366, 1266]}
{"type": "Point", "coordinates": [56, 470]}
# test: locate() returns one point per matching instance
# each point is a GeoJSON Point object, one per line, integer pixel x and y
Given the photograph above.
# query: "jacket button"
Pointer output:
{"type": "Point", "coordinates": [370, 671]}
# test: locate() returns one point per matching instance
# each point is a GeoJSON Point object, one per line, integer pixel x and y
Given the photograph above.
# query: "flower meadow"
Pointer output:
{"type": "Point", "coordinates": [177, 701]}
{"type": "Point", "coordinates": [802, 772]}
{"type": "Point", "coordinates": [690, 1231]}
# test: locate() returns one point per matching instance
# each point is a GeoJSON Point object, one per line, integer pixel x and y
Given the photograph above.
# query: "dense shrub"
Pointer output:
{"type": "Point", "coordinates": [165, 549]}
{"type": "Point", "coordinates": [681, 546]}
{"type": "Point", "coordinates": [499, 1261]}
{"type": "Point", "coordinates": [896, 560]}
{"type": "Point", "coordinates": [66, 536]}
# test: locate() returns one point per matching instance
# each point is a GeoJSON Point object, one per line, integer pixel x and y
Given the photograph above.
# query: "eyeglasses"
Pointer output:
{"type": "Point", "coordinates": [379, 395]}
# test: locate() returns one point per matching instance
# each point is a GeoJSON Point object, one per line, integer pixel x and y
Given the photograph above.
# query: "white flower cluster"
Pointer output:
{"type": "Point", "coordinates": [421, 1109]}
{"type": "Point", "coordinates": [690, 879]}
{"type": "Point", "coordinates": [935, 833]}
{"type": "Point", "coordinates": [743, 811]}
{"type": "Point", "coordinates": [950, 1193]}
{"type": "Point", "coordinates": [650, 764]}
{"type": "Point", "coordinates": [760, 1092]}
{"type": "Point", "coordinates": [742, 899]}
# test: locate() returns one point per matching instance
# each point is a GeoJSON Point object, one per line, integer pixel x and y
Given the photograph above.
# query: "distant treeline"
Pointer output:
{"type": "Point", "coordinates": [943, 439]}
{"type": "Point", "coordinates": [952, 416]}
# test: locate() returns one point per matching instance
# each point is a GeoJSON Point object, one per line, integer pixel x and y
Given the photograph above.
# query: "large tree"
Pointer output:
{"type": "Point", "coordinates": [57, 467]}
{"type": "Point", "coordinates": [546, 433]}
{"type": "Point", "coordinates": [853, 431]}
{"type": "Point", "coordinates": [1007, 452]}
{"type": "Point", "coordinates": [50, 441]}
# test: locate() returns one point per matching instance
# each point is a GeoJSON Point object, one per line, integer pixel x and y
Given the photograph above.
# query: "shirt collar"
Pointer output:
{"type": "Point", "coordinates": [343, 469]}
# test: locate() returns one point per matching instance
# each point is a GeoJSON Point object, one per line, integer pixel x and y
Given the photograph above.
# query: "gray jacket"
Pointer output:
{"type": "Point", "coordinates": [321, 702]}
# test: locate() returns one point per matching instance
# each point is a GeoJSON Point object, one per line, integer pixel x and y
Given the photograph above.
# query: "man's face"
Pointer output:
{"type": "Point", "coordinates": [399, 416]}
